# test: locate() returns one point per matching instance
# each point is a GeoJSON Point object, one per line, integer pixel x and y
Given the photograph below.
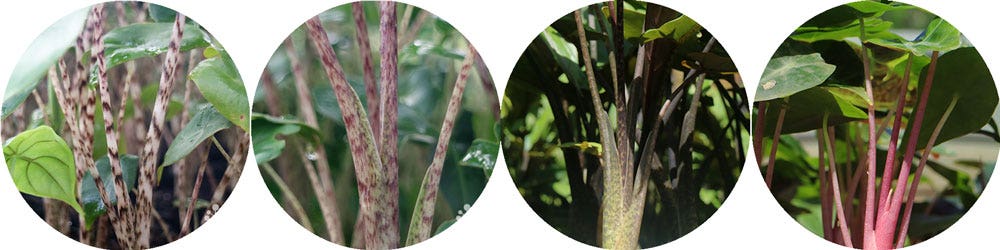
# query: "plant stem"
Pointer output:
{"type": "Point", "coordinates": [911, 195]}
{"type": "Point", "coordinates": [869, 223]}
{"type": "Point", "coordinates": [890, 159]}
{"type": "Point", "coordinates": [491, 90]}
{"type": "Point", "coordinates": [886, 227]}
{"type": "Point", "coordinates": [300, 212]}
{"type": "Point", "coordinates": [193, 198]}
{"type": "Point", "coordinates": [758, 130]}
{"type": "Point", "coordinates": [388, 213]}
{"type": "Point", "coordinates": [615, 231]}
{"type": "Point", "coordinates": [775, 140]}
{"type": "Point", "coordinates": [147, 169]}
{"type": "Point", "coordinates": [371, 87]}
{"type": "Point", "coordinates": [367, 161]}
{"type": "Point", "coordinates": [234, 167]}
{"type": "Point", "coordinates": [835, 184]}
{"type": "Point", "coordinates": [423, 212]}
{"type": "Point", "coordinates": [323, 185]}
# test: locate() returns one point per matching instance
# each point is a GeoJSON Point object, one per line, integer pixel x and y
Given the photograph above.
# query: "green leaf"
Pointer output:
{"type": "Point", "coordinates": [482, 154]}
{"type": "Point", "coordinates": [42, 165]}
{"type": "Point", "coordinates": [205, 123]}
{"type": "Point", "coordinates": [853, 94]}
{"type": "Point", "coordinates": [266, 143]}
{"type": "Point", "coordinates": [874, 28]}
{"type": "Point", "coordinates": [93, 206]}
{"type": "Point", "coordinates": [566, 55]}
{"type": "Point", "coordinates": [221, 85]}
{"type": "Point", "coordinates": [939, 36]}
{"type": "Point", "coordinates": [785, 76]}
{"type": "Point", "coordinates": [136, 41]}
{"type": "Point", "coordinates": [961, 73]}
{"type": "Point", "coordinates": [44, 52]}
{"type": "Point", "coordinates": [869, 8]}
{"type": "Point", "coordinates": [161, 14]}
{"type": "Point", "coordinates": [678, 29]}
{"type": "Point", "coordinates": [806, 108]}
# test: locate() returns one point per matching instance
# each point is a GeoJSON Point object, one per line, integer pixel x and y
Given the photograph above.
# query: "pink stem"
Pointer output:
{"type": "Point", "coordinates": [886, 228]}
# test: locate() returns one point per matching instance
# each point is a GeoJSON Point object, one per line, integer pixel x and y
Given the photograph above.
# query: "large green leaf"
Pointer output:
{"type": "Point", "coordinates": [678, 29]}
{"type": "Point", "coordinates": [847, 13]}
{"type": "Point", "coordinates": [785, 76]}
{"type": "Point", "coordinates": [806, 108]}
{"type": "Point", "coordinates": [90, 197]}
{"type": "Point", "coordinates": [44, 52]}
{"type": "Point", "coordinates": [265, 136]}
{"type": "Point", "coordinates": [221, 85]}
{"type": "Point", "coordinates": [42, 165]}
{"type": "Point", "coordinates": [135, 41]}
{"type": "Point", "coordinates": [962, 74]}
{"type": "Point", "coordinates": [939, 36]}
{"type": "Point", "coordinates": [205, 123]}
{"type": "Point", "coordinates": [874, 28]}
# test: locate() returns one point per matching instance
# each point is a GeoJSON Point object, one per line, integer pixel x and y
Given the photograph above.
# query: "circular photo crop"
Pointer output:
{"type": "Point", "coordinates": [875, 125]}
{"type": "Point", "coordinates": [125, 125]}
{"type": "Point", "coordinates": [374, 125]}
{"type": "Point", "coordinates": [625, 125]}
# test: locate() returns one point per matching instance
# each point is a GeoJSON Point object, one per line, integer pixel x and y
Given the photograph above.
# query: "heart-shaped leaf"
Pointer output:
{"type": "Point", "coordinates": [785, 76]}
{"type": "Point", "coordinates": [220, 83]}
{"type": "Point", "coordinates": [961, 73]}
{"type": "Point", "coordinates": [42, 165]}
{"type": "Point", "coordinates": [90, 197]}
{"type": "Point", "coordinates": [44, 52]}
{"type": "Point", "coordinates": [939, 36]}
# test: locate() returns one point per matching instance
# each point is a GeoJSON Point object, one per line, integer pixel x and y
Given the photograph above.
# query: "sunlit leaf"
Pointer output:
{"type": "Point", "coordinates": [220, 83]}
{"type": "Point", "coordinates": [41, 55]}
{"type": "Point", "coordinates": [785, 76]}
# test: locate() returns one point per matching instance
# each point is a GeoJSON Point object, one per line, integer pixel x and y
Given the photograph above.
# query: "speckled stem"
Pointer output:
{"type": "Point", "coordinates": [367, 161]}
{"type": "Point", "coordinates": [148, 157]}
{"type": "Point", "coordinates": [325, 187]}
{"type": "Point", "coordinates": [371, 86]}
{"type": "Point", "coordinates": [616, 233]}
{"type": "Point", "coordinates": [423, 212]}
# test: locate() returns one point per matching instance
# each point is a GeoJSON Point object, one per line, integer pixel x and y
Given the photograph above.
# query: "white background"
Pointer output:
{"type": "Point", "coordinates": [250, 31]}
